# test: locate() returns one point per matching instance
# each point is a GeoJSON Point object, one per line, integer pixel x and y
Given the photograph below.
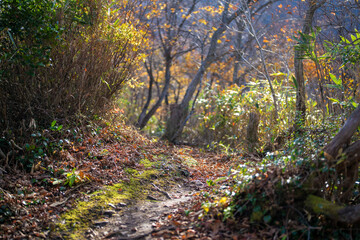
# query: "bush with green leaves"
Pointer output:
{"type": "Point", "coordinates": [348, 51]}
{"type": "Point", "coordinates": [41, 145]}
{"type": "Point", "coordinates": [28, 30]}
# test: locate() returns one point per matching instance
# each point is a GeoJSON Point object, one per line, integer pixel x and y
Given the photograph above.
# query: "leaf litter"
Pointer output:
{"type": "Point", "coordinates": [33, 204]}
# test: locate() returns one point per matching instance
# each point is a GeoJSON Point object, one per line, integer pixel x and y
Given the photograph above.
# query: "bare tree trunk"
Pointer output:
{"type": "Point", "coordinates": [345, 158]}
{"type": "Point", "coordinates": [185, 117]}
{"type": "Point", "coordinates": [342, 139]}
{"type": "Point", "coordinates": [168, 37]}
{"type": "Point", "coordinates": [177, 116]}
{"type": "Point", "coordinates": [300, 114]}
{"type": "Point", "coordinates": [146, 106]}
{"type": "Point", "coordinates": [238, 53]}
{"type": "Point", "coordinates": [236, 79]}
{"type": "Point", "coordinates": [143, 121]}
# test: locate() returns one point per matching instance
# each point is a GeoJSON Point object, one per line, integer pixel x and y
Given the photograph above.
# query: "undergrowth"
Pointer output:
{"type": "Point", "coordinates": [79, 172]}
{"type": "Point", "coordinates": [265, 197]}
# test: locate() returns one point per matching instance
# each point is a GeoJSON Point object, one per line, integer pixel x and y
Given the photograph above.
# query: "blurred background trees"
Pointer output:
{"type": "Point", "coordinates": [222, 54]}
{"type": "Point", "coordinates": [196, 69]}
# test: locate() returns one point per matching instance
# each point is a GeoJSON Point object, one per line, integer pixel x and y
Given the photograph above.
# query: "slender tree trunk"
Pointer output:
{"type": "Point", "coordinates": [184, 115]}
{"type": "Point", "coordinates": [193, 84]}
{"type": "Point", "coordinates": [236, 79]}
{"type": "Point", "coordinates": [238, 54]}
{"type": "Point", "coordinates": [168, 38]}
{"type": "Point", "coordinates": [178, 112]}
{"type": "Point", "coordinates": [173, 124]}
{"type": "Point", "coordinates": [146, 106]}
{"type": "Point", "coordinates": [168, 61]}
{"type": "Point", "coordinates": [300, 114]}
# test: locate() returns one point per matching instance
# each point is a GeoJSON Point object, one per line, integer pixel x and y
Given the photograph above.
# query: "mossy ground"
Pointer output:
{"type": "Point", "coordinates": [75, 222]}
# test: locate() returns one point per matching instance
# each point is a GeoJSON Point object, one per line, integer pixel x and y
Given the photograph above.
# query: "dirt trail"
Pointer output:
{"type": "Point", "coordinates": [135, 220]}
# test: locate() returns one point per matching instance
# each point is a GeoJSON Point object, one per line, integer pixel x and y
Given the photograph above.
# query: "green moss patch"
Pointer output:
{"type": "Point", "coordinates": [147, 163]}
{"type": "Point", "coordinates": [75, 222]}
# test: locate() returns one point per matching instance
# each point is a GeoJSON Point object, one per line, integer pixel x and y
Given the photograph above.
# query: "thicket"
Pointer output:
{"type": "Point", "coordinates": [61, 59]}
{"type": "Point", "coordinates": [61, 63]}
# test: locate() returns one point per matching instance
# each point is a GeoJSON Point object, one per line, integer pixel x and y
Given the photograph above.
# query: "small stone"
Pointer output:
{"type": "Point", "coordinates": [101, 223]}
{"type": "Point", "coordinates": [151, 198]}
{"type": "Point", "coordinates": [134, 229]}
{"type": "Point", "coordinates": [109, 213]}
{"type": "Point", "coordinates": [121, 205]}
{"type": "Point", "coordinates": [112, 205]}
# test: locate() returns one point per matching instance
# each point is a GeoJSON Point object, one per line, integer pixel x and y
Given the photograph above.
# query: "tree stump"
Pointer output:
{"type": "Point", "coordinates": [252, 131]}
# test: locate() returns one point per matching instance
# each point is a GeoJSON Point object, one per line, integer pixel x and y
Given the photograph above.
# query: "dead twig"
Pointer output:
{"type": "Point", "coordinates": [57, 204]}
{"type": "Point", "coordinates": [15, 146]}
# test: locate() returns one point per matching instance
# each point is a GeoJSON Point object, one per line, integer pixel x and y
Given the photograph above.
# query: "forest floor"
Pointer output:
{"type": "Point", "coordinates": [115, 184]}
